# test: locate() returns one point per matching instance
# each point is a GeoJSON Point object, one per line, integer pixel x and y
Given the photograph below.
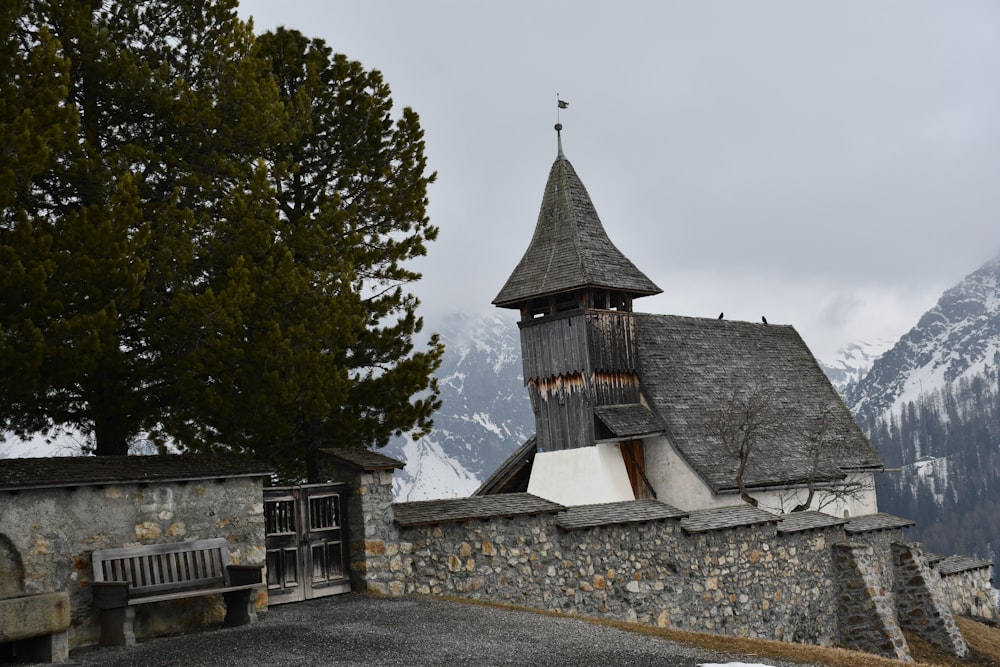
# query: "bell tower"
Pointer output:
{"type": "Point", "coordinates": [574, 290]}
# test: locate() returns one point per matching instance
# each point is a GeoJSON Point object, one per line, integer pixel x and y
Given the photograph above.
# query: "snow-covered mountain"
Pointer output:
{"type": "Point", "coordinates": [853, 361]}
{"type": "Point", "coordinates": [959, 337]}
{"type": "Point", "coordinates": [485, 413]}
{"type": "Point", "coordinates": [931, 406]}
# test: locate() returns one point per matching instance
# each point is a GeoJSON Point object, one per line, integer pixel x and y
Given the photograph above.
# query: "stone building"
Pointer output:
{"type": "Point", "coordinates": [54, 512]}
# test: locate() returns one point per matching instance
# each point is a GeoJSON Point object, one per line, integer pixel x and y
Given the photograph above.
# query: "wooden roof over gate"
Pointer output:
{"type": "Point", "coordinates": [70, 471]}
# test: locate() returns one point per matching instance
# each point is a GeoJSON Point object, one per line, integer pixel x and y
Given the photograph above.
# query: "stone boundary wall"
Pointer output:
{"type": "Point", "coordinates": [867, 618]}
{"type": "Point", "coordinates": [970, 592]}
{"type": "Point", "coordinates": [744, 581]}
{"type": "Point", "coordinates": [756, 580]}
{"type": "Point", "coordinates": [923, 608]}
{"type": "Point", "coordinates": [49, 534]}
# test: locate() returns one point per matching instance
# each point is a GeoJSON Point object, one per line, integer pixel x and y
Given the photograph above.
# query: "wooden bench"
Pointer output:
{"type": "Point", "coordinates": [130, 576]}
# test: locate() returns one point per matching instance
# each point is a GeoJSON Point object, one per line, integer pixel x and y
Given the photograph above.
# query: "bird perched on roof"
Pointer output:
{"type": "Point", "coordinates": [720, 315]}
{"type": "Point", "coordinates": [763, 319]}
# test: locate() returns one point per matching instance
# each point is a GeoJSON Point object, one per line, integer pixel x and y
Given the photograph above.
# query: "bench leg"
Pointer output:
{"type": "Point", "coordinates": [117, 626]}
{"type": "Point", "coordinates": [241, 607]}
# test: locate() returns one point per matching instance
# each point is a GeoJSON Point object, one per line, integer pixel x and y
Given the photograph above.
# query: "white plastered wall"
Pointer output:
{"type": "Point", "coordinates": [582, 476]}
{"type": "Point", "coordinates": [677, 484]}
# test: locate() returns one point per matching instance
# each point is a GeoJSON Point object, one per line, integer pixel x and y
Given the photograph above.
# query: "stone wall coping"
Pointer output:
{"type": "Point", "coordinates": [359, 457]}
{"type": "Point", "coordinates": [956, 564]}
{"type": "Point", "coordinates": [721, 518]}
{"type": "Point", "coordinates": [880, 521]}
{"type": "Point", "coordinates": [628, 511]}
{"type": "Point", "coordinates": [72, 471]}
{"type": "Point", "coordinates": [812, 520]}
{"type": "Point", "coordinates": [428, 512]}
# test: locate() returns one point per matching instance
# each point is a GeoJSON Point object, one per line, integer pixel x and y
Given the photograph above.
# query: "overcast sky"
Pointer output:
{"type": "Point", "coordinates": [832, 165]}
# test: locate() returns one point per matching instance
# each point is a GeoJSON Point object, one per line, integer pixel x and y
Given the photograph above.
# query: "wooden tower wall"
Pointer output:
{"type": "Point", "coordinates": [573, 362]}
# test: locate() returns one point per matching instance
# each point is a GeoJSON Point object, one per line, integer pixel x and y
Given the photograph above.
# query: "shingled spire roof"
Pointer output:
{"type": "Point", "coordinates": [570, 249]}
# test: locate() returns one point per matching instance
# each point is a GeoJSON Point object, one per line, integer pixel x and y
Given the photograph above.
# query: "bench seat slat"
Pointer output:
{"type": "Point", "coordinates": [158, 568]}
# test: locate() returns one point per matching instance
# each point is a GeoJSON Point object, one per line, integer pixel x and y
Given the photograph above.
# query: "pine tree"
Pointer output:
{"type": "Point", "coordinates": [162, 118]}
{"type": "Point", "coordinates": [352, 189]}
{"type": "Point", "coordinates": [206, 241]}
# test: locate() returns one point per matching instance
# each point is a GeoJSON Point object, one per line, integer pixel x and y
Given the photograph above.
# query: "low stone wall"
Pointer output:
{"type": "Point", "coordinates": [49, 534]}
{"type": "Point", "coordinates": [968, 585]}
{"type": "Point", "coordinates": [744, 581]}
{"type": "Point", "coordinates": [806, 577]}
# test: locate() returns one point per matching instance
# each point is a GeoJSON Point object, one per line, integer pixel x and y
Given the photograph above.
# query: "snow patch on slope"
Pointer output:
{"type": "Point", "coordinates": [430, 473]}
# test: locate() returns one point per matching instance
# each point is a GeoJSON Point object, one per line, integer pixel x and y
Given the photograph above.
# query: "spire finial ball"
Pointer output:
{"type": "Point", "coordinates": [558, 127]}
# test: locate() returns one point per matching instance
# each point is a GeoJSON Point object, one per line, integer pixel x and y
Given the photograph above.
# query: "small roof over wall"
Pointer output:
{"type": "Point", "coordinates": [71, 471]}
{"type": "Point", "coordinates": [720, 518]}
{"type": "Point", "coordinates": [629, 511]}
{"type": "Point", "coordinates": [881, 521]}
{"type": "Point", "coordinates": [429, 512]}
{"type": "Point", "coordinates": [797, 522]}
{"type": "Point", "coordinates": [956, 564]}
{"type": "Point", "coordinates": [364, 459]}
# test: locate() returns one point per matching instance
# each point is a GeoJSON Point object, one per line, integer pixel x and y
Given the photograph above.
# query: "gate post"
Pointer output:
{"type": "Point", "coordinates": [373, 538]}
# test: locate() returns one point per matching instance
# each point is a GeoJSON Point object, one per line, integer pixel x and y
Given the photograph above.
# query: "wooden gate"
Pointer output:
{"type": "Point", "coordinates": [306, 540]}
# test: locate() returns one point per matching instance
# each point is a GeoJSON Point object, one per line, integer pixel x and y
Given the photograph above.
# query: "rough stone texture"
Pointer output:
{"type": "Point", "coordinates": [372, 532]}
{"type": "Point", "coordinates": [921, 604]}
{"type": "Point", "coordinates": [969, 590]}
{"type": "Point", "coordinates": [866, 608]}
{"type": "Point", "coordinates": [801, 582]}
{"type": "Point", "coordinates": [49, 535]}
{"type": "Point", "coordinates": [37, 626]}
{"type": "Point", "coordinates": [745, 580]}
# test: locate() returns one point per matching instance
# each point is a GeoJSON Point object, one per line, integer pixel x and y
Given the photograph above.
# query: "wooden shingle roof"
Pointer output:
{"type": "Point", "coordinates": [690, 366]}
{"type": "Point", "coordinates": [629, 420]}
{"type": "Point", "coordinates": [362, 458]}
{"type": "Point", "coordinates": [428, 512]}
{"type": "Point", "coordinates": [880, 521]}
{"type": "Point", "coordinates": [70, 471]}
{"type": "Point", "coordinates": [956, 564]}
{"type": "Point", "coordinates": [720, 518]}
{"type": "Point", "coordinates": [797, 522]}
{"type": "Point", "coordinates": [628, 511]}
{"type": "Point", "coordinates": [570, 249]}
{"type": "Point", "coordinates": [513, 474]}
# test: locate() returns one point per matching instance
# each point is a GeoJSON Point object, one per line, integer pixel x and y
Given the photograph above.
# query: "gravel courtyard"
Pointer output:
{"type": "Point", "coordinates": [356, 629]}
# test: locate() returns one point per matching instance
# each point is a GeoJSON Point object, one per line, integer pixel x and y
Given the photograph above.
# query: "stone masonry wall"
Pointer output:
{"type": "Point", "coordinates": [373, 538]}
{"type": "Point", "coordinates": [807, 586]}
{"type": "Point", "coordinates": [969, 593]}
{"type": "Point", "coordinates": [922, 607]}
{"type": "Point", "coordinates": [746, 581]}
{"type": "Point", "coordinates": [799, 581]}
{"type": "Point", "coordinates": [866, 607]}
{"type": "Point", "coordinates": [52, 532]}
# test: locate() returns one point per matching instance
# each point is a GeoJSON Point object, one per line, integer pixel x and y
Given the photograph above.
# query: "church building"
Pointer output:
{"type": "Point", "coordinates": [694, 412]}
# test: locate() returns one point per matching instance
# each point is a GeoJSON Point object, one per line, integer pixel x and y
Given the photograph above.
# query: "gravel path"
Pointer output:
{"type": "Point", "coordinates": [356, 629]}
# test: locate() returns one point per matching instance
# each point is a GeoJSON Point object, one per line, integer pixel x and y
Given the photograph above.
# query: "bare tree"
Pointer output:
{"type": "Point", "coordinates": [820, 441]}
{"type": "Point", "coordinates": [741, 421]}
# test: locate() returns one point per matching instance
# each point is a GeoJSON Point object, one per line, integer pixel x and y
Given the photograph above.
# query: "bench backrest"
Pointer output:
{"type": "Point", "coordinates": [155, 568]}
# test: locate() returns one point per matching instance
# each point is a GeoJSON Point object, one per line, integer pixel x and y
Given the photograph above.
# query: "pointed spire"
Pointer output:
{"type": "Point", "coordinates": [570, 249]}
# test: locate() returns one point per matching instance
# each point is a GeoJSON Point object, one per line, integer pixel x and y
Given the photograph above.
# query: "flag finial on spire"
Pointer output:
{"type": "Point", "coordinates": [560, 105]}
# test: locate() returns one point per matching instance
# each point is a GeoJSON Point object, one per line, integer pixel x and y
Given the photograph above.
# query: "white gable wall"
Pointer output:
{"type": "Point", "coordinates": [677, 484]}
{"type": "Point", "coordinates": [582, 476]}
